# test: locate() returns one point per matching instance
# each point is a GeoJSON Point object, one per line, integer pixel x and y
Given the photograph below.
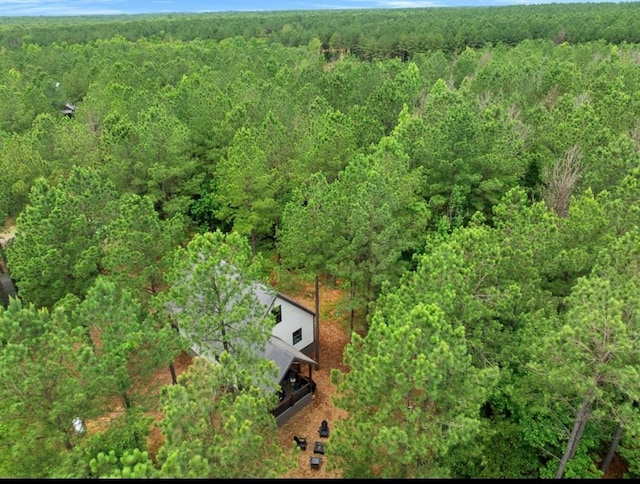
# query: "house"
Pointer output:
{"type": "Point", "coordinates": [69, 109]}
{"type": "Point", "coordinates": [294, 323]}
{"type": "Point", "coordinates": [291, 348]}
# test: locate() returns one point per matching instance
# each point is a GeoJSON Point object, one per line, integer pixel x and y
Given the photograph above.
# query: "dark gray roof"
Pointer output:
{"type": "Point", "coordinates": [296, 303]}
{"type": "Point", "coordinates": [283, 354]}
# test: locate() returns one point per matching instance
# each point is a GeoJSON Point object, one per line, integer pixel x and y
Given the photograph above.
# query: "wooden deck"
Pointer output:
{"type": "Point", "coordinates": [295, 396]}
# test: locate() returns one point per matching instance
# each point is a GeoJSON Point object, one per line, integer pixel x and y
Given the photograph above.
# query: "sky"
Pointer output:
{"type": "Point", "coordinates": [11, 8]}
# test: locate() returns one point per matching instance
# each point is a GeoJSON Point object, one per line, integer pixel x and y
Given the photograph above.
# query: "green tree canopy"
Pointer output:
{"type": "Point", "coordinates": [433, 394]}
{"type": "Point", "coordinates": [137, 240]}
{"type": "Point", "coordinates": [44, 386]}
{"type": "Point", "coordinates": [212, 296]}
{"type": "Point", "coordinates": [246, 188]}
{"type": "Point", "coordinates": [218, 423]}
{"type": "Point", "coordinates": [58, 244]}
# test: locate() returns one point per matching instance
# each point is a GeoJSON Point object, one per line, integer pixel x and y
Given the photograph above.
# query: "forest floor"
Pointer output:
{"type": "Point", "coordinates": [333, 338]}
{"type": "Point", "coordinates": [617, 468]}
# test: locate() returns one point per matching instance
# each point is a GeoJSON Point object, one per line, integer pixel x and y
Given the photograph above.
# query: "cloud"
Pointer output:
{"type": "Point", "coordinates": [58, 7]}
{"type": "Point", "coordinates": [10, 8]}
{"type": "Point", "coordinates": [408, 4]}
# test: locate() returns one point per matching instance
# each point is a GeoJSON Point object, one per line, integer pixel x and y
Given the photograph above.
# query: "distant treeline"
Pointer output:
{"type": "Point", "coordinates": [368, 33]}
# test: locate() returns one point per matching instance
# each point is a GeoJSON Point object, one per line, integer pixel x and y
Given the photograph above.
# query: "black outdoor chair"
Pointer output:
{"type": "Point", "coordinates": [301, 441]}
{"type": "Point", "coordinates": [324, 429]}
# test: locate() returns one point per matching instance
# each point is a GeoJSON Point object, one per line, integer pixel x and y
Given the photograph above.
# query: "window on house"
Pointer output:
{"type": "Point", "coordinates": [277, 313]}
{"type": "Point", "coordinates": [297, 336]}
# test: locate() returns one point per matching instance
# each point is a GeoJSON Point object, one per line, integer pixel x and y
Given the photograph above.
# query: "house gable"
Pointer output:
{"type": "Point", "coordinates": [296, 326]}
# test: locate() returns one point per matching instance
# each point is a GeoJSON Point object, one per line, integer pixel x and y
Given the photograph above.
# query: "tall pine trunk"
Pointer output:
{"type": "Point", "coordinates": [254, 243]}
{"type": "Point", "coordinates": [317, 325]}
{"type": "Point", "coordinates": [172, 368]}
{"type": "Point", "coordinates": [352, 294]}
{"type": "Point", "coordinates": [576, 433]}
{"type": "Point", "coordinates": [612, 450]}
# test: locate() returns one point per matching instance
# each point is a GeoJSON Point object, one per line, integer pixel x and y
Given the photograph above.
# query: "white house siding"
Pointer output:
{"type": "Point", "coordinates": [294, 318]}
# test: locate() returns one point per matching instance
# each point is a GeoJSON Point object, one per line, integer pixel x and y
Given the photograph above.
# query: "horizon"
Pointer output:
{"type": "Point", "coordinates": [50, 8]}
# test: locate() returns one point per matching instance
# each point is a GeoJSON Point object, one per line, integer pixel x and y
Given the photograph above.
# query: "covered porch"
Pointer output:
{"type": "Point", "coordinates": [295, 378]}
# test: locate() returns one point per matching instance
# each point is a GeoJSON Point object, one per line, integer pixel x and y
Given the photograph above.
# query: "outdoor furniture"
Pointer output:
{"type": "Point", "coordinates": [301, 441]}
{"type": "Point", "coordinates": [324, 429]}
{"type": "Point", "coordinates": [318, 447]}
{"type": "Point", "coordinates": [315, 462]}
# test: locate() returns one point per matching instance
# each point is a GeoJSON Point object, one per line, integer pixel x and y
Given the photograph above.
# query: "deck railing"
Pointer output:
{"type": "Point", "coordinates": [292, 397]}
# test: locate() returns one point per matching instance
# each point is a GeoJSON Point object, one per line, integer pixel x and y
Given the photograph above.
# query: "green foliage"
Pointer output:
{"type": "Point", "coordinates": [499, 450]}
{"type": "Point", "coordinates": [137, 240]}
{"type": "Point", "coordinates": [123, 436]}
{"type": "Point", "coordinates": [58, 244]}
{"type": "Point", "coordinates": [305, 232]}
{"type": "Point", "coordinates": [130, 465]}
{"type": "Point", "coordinates": [129, 345]}
{"type": "Point", "coordinates": [369, 33]}
{"type": "Point", "coordinates": [205, 208]}
{"type": "Point", "coordinates": [378, 217]}
{"type": "Point", "coordinates": [43, 363]}
{"type": "Point", "coordinates": [211, 415]}
{"type": "Point", "coordinates": [402, 152]}
{"type": "Point", "coordinates": [594, 349]}
{"type": "Point", "coordinates": [432, 395]}
{"type": "Point", "coordinates": [630, 451]}
{"type": "Point", "coordinates": [327, 144]}
{"type": "Point", "coordinates": [20, 165]}
{"type": "Point", "coordinates": [246, 187]}
{"type": "Point", "coordinates": [211, 296]}
{"type": "Point", "coordinates": [162, 168]}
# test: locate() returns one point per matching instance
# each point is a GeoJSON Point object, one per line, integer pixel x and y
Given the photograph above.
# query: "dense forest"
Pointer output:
{"type": "Point", "coordinates": [469, 176]}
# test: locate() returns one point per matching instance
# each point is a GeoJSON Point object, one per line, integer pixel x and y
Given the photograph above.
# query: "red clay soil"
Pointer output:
{"type": "Point", "coordinates": [617, 468]}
